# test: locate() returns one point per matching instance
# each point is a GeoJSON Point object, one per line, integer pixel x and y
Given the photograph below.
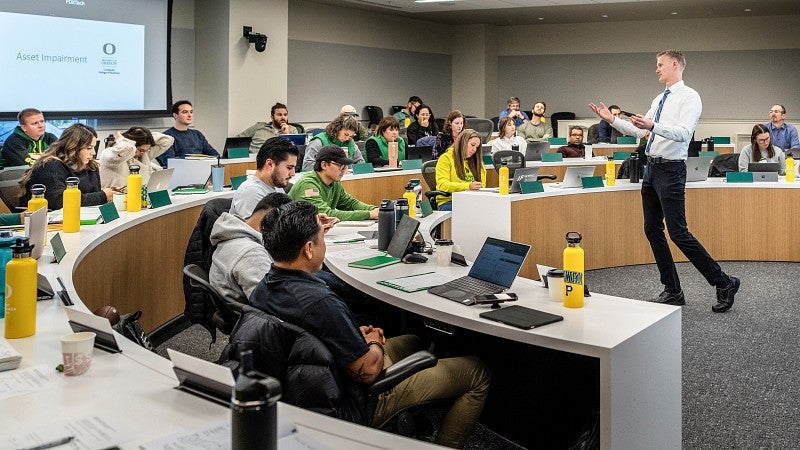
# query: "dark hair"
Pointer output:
{"type": "Point", "coordinates": [414, 99]}
{"type": "Point", "coordinates": [614, 107]}
{"type": "Point", "coordinates": [783, 108]}
{"type": "Point", "coordinates": [140, 136]}
{"type": "Point", "coordinates": [454, 114]}
{"type": "Point", "coordinates": [269, 202]}
{"type": "Point", "coordinates": [277, 106]}
{"type": "Point", "coordinates": [385, 124]}
{"type": "Point", "coordinates": [286, 230]}
{"type": "Point", "coordinates": [420, 108]}
{"type": "Point", "coordinates": [475, 162]}
{"type": "Point", "coordinates": [543, 104]}
{"type": "Point", "coordinates": [760, 129]}
{"type": "Point", "coordinates": [512, 100]}
{"type": "Point", "coordinates": [502, 125]}
{"type": "Point", "coordinates": [67, 149]}
{"type": "Point", "coordinates": [277, 149]}
{"type": "Point", "coordinates": [575, 127]}
{"type": "Point", "coordinates": [176, 107]}
{"type": "Point", "coordinates": [341, 122]}
{"type": "Point", "coordinates": [25, 113]}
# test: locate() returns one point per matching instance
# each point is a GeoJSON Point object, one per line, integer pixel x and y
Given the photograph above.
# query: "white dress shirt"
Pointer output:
{"type": "Point", "coordinates": [675, 127]}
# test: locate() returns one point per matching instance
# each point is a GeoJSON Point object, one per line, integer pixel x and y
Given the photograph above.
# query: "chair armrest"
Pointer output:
{"type": "Point", "coordinates": [432, 194]}
{"type": "Point", "coordinates": [547, 176]}
{"type": "Point", "coordinates": [401, 370]}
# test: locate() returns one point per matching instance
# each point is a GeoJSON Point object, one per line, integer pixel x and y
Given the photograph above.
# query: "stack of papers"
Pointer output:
{"type": "Point", "coordinates": [9, 357]}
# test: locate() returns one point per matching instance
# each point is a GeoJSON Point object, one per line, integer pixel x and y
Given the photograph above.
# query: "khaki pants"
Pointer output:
{"type": "Point", "coordinates": [464, 379]}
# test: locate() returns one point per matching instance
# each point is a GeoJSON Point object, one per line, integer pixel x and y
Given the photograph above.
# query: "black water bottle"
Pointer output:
{"type": "Point", "coordinates": [710, 144]}
{"type": "Point", "coordinates": [254, 412]}
{"type": "Point", "coordinates": [634, 167]}
{"type": "Point", "coordinates": [386, 224]}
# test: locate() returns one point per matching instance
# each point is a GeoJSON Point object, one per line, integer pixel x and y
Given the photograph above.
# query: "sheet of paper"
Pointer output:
{"type": "Point", "coordinates": [90, 433]}
{"type": "Point", "coordinates": [354, 254]}
{"type": "Point", "coordinates": [215, 436]}
{"type": "Point", "coordinates": [419, 282]}
{"type": "Point", "coordinates": [348, 238]}
{"type": "Point", "coordinates": [31, 379]}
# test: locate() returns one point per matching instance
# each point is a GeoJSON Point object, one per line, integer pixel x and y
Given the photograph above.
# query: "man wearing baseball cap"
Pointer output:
{"type": "Point", "coordinates": [323, 187]}
{"type": "Point", "coordinates": [363, 132]}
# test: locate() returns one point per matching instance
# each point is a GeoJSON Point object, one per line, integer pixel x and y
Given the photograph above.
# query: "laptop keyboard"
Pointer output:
{"type": "Point", "coordinates": [475, 286]}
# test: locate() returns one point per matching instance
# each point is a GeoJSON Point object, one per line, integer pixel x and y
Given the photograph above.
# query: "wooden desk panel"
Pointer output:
{"type": "Point", "coordinates": [608, 150]}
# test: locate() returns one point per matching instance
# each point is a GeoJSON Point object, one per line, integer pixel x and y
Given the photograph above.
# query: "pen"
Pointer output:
{"type": "Point", "coordinates": [350, 241]}
{"type": "Point", "coordinates": [52, 444]}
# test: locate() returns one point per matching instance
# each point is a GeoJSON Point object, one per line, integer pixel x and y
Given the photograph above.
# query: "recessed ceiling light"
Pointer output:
{"type": "Point", "coordinates": [674, 13]}
{"type": "Point", "coordinates": [604, 16]}
{"type": "Point", "coordinates": [541, 18]}
{"type": "Point", "coordinates": [747, 10]}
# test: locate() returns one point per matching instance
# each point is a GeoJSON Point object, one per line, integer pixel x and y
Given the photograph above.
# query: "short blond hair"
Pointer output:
{"type": "Point", "coordinates": [677, 55]}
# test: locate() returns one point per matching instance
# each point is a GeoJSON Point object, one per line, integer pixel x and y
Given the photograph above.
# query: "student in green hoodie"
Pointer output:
{"type": "Point", "coordinates": [377, 146]}
{"type": "Point", "coordinates": [28, 140]}
{"type": "Point", "coordinates": [339, 132]}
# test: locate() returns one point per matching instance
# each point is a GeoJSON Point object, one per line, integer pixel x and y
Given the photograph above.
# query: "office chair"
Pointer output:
{"type": "Point", "coordinates": [514, 160]}
{"type": "Point", "coordinates": [227, 312]}
{"type": "Point", "coordinates": [429, 175]}
{"type": "Point", "coordinates": [306, 369]}
{"type": "Point", "coordinates": [395, 109]}
{"type": "Point", "coordinates": [300, 128]}
{"type": "Point", "coordinates": [10, 191]}
{"type": "Point", "coordinates": [556, 116]}
{"type": "Point", "coordinates": [375, 114]}
{"type": "Point", "coordinates": [722, 164]}
{"type": "Point", "coordinates": [496, 122]}
{"type": "Point", "coordinates": [592, 135]}
{"type": "Point", "coordinates": [482, 126]}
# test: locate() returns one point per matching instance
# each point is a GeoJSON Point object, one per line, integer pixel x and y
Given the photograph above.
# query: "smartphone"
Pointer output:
{"type": "Point", "coordinates": [629, 114]}
{"type": "Point", "coordinates": [496, 298]}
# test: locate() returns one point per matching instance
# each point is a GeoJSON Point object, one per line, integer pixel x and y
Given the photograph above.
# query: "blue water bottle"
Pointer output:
{"type": "Point", "coordinates": [7, 239]}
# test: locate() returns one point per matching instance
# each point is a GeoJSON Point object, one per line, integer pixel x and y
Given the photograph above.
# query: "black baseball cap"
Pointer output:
{"type": "Point", "coordinates": [334, 153]}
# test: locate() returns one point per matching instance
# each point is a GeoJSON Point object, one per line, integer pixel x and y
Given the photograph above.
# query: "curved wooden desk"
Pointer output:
{"type": "Point", "coordinates": [722, 216]}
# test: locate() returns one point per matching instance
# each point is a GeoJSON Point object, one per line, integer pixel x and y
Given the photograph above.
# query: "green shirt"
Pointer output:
{"type": "Point", "coordinates": [331, 199]}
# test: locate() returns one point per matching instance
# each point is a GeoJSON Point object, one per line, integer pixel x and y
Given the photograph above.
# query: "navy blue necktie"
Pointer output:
{"type": "Point", "coordinates": [656, 119]}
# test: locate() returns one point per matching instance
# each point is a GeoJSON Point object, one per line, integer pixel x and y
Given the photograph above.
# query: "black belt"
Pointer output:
{"type": "Point", "coordinates": [659, 160]}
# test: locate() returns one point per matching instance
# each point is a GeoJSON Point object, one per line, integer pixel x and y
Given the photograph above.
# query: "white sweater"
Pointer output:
{"type": "Point", "coordinates": [114, 161]}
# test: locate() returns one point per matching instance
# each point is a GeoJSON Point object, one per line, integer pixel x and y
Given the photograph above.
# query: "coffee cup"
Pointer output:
{"type": "Point", "coordinates": [76, 349]}
{"type": "Point", "coordinates": [120, 201]}
{"type": "Point", "coordinates": [555, 285]}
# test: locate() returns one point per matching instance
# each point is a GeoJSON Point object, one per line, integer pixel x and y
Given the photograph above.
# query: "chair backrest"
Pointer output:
{"type": "Point", "coordinates": [225, 316]}
{"type": "Point", "coordinates": [514, 160]}
{"type": "Point", "coordinates": [429, 173]}
{"type": "Point", "coordinates": [556, 116]}
{"type": "Point", "coordinates": [300, 128]}
{"type": "Point", "coordinates": [593, 134]}
{"type": "Point", "coordinates": [482, 126]}
{"type": "Point", "coordinates": [395, 109]}
{"type": "Point", "coordinates": [723, 164]}
{"type": "Point", "coordinates": [496, 121]}
{"type": "Point", "coordinates": [374, 114]}
{"type": "Point", "coordinates": [10, 191]}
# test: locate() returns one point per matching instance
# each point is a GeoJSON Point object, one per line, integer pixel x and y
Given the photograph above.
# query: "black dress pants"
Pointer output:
{"type": "Point", "coordinates": [664, 201]}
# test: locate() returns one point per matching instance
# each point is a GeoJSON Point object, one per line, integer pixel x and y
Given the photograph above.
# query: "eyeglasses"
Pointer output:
{"type": "Point", "coordinates": [776, 111]}
{"type": "Point", "coordinates": [340, 166]}
{"type": "Point", "coordinates": [762, 141]}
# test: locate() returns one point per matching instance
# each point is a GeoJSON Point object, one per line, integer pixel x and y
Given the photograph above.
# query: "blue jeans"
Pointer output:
{"type": "Point", "coordinates": [446, 206]}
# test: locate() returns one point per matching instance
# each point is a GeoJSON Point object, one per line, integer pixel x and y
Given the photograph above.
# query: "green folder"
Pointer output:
{"type": "Point", "coordinates": [238, 153]}
{"type": "Point", "coordinates": [739, 177]}
{"type": "Point", "coordinates": [626, 140]}
{"type": "Point", "coordinates": [552, 157]}
{"type": "Point", "coordinates": [237, 181]}
{"type": "Point", "coordinates": [411, 164]}
{"type": "Point", "coordinates": [592, 182]}
{"type": "Point", "coordinates": [359, 169]}
{"type": "Point", "coordinates": [375, 262]}
{"type": "Point", "coordinates": [557, 140]}
{"type": "Point", "coordinates": [711, 154]}
{"type": "Point", "coordinates": [726, 140]}
{"type": "Point", "coordinates": [621, 156]}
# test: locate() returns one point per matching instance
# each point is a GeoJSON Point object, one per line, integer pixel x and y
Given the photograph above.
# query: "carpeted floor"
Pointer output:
{"type": "Point", "coordinates": [741, 373]}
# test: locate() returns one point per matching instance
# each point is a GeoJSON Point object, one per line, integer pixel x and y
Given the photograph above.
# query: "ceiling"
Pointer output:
{"type": "Point", "coordinates": [526, 12]}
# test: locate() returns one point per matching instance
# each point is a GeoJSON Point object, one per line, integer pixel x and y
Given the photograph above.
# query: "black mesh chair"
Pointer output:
{"type": "Point", "coordinates": [300, 128]}
{"type": "Point", "coordinates": [593, 134]}
{"type": "Point", "coordinates": [429, 175]}
{"type": "Point", "coordinates": [514, 160]}
{"type": "Point", "coordinates": [482, 126]}
{"type": "Point", "coordinates": [496, 121]}
{"type": "Point", "coordinates": [556, 116]}
{"type": "Point", "coordinates": [395, 109]}
{"type": "Point", "coordinates": [374, 114]}
{"type": "Point", "coordinates": [227, 313]}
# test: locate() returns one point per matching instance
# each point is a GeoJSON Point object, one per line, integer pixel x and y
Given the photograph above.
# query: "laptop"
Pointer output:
{"type": "Point", "coordinates": [236, 142]}
{"type": "Point", "coordinates": [520, 175]}
{"type": "Point", "coordinates": [493, 271]}
{"type": "Point", "coordinates": [296, 139]}
{"type": "Point", "coordinates": [573, 175]}
{"type": "Point", "coordinates": [697, 168]}
{"type": "Point", "coordinates": [189, 173]}
{"type": "Point", "coordinates": [534, 150]}
{"type": "Point", "coordinates": [764, 171]}
{"type": "Point", "coordinates": [159, 180]}
{"type": "Point", "coordinates": [423, 152]}
{"type": "Point", "coordinates": [486, 150]}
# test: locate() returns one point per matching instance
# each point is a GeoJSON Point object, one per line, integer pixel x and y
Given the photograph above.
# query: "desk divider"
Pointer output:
{"type": "Point", "coordinates": [159, 199]}
{"type": "Point", "coordinates": [739, 177]}
{"type": "Point", "coordinates": [557, 140]}
{"type": "Point", "coordinates": [237, 181]}
{"type": "Point", "coordinates": [552, 157]}
{"type": "Point", "coordinates": [626, 140]}
{"type": "Point", "coordinates": [621, 156]}
{"type": "Point", "coordinates": [531, 187]}
{"type": "Point", "coordinates": [234, 153]}
{"type": "Point", "coordinates": [109, 212]}
{"type": "Point", "coordinates": [592, 182]}
{"type": "Point", "coordinates": [726, 140]}
{"type": "Point", "coordinates": [709, 154]}
{"type": "Point", "coordinates": [411, 164]}
{"type": "Point", "coordinates": [362, 168]}
{"type": "Point", "coordinates": [487, 160]}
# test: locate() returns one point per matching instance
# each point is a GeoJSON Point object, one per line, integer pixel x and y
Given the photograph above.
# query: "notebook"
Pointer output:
{"type": "Point", "coordinates": [697, 168]}
{"type": "Point", "coordinates": [521, 317]}
{"type": "Point", "coordinates": [573, 175]}
{"type": "Point", "coordinates": [236, 142]}
{"type": "Point", "coordinates": [159, 180]}
{"type": "Point", "coordinates": [493, 271]}
{"type": "Point", "coordinates": [398, 246]}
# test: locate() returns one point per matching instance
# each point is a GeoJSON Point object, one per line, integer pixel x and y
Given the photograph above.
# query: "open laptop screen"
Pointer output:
{"type": "Point", "coordinates": [499, 261]}
{"type": "Point", "coordinates": [296, 139]}
{"type": "Point", "coordinates": [764, 167]}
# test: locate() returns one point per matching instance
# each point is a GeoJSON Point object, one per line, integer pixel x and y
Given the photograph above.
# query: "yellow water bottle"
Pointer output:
{"type": "Point", "coordinates": [37, 200]}
{"type": "Point", "coordinates": [72, 206]}
{"type": "Point", "coordinates": [21, 291]}
{"type": "Point", "coordinates": [611, 172]}
{"type": "Point", "coordinates": [503, 178]}
{"type": "Point", "coordinates": [789, 168]}
{"type": "Point", "coordinates": [412, 200]}
{"type": "Point", "coordinates": [134, 198]}
{"type": "Point", "coordinates": [573, 271]}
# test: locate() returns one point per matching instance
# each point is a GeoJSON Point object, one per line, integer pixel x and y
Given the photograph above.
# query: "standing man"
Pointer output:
{"type": "Point", "coordinates": [513, 111]}
{"type": "Point", "coordinates": [276, 162]}
{"type": "Point", "coordinates": [671, 121]}
{"type": "Point", "coordinates": [406, 115]}
{"type": "Point", "coordinates": [574, 147]}
{"type": "Point", "coordinates": [29, 139]}
{"type": "Point", "coordinates": [604, 133]}
{"type": "Point", "coordinates": [781, 133]}
{"type": "Point", "coordinates": [262, 131]}
{"type": "Point", "coordinates": [187, 141]}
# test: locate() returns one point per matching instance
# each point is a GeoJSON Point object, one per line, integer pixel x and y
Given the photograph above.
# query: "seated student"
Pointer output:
{"type": "Point", "coordinates": [425, 125]}
{"type": "Point", "coordinates": [574, 147]}
{"type": "Point", "coordinates": [508, 137]}
{"type": "Point", "coordinates": [604, 129]}
{"type": "Point", "coordinates": [28, 140]}
{"type": "Point", "coordinates": [339, 132]}
{"type": "Point", "coordinates": [276, 162]}
{"type": "Point", "coordinates": [405, 117]}
{"type": "Point", "coordinates": [760, 149]}
{"type": "Point", "coordinates": [187, 141]}
{"type": "Point", "coordinates": [291, 292]}
{"type": "Point", "coordinates": [323, 188]}
{"type": "Point", "coordinates": [363, 132]}
{"type": "Point", "coordinates": [72, 155]}
{"type": "Point", "coordinates": [240, 259]}
{"type": "Point", "coordinates": [512, 110]}
{"type": "Point", "coordinates": [453, 125]}
{"type": "Point", "coordinates": [135, 147]}
{"type": "Point", "coordinates": [262, 131]}
{"type": "Point", "coordinates": [377, 146]}
{"type": "Point", "coordinates": [461, 168]}
{"type": "Point", "coordinates": [538, 129]}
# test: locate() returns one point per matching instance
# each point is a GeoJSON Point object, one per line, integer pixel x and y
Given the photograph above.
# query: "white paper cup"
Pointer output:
{"type": "Point", "coordinates": [444, 252]}
{"type": "Point", "coordinates": [76, 349]}
{"type": "Point", "coordinates": [120, 201]}
{"type": "Point", "coordinates": [556, 287]}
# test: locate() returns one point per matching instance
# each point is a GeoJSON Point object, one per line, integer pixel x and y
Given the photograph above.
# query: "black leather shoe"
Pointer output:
{"type": "Point", "coordinates": [670, 298]}
{"type": "Point", "coordinates": [725, 296]}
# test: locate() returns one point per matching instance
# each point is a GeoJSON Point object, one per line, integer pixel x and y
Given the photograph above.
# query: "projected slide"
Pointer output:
{"type": "Point", "coordinates": [97, 65]}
